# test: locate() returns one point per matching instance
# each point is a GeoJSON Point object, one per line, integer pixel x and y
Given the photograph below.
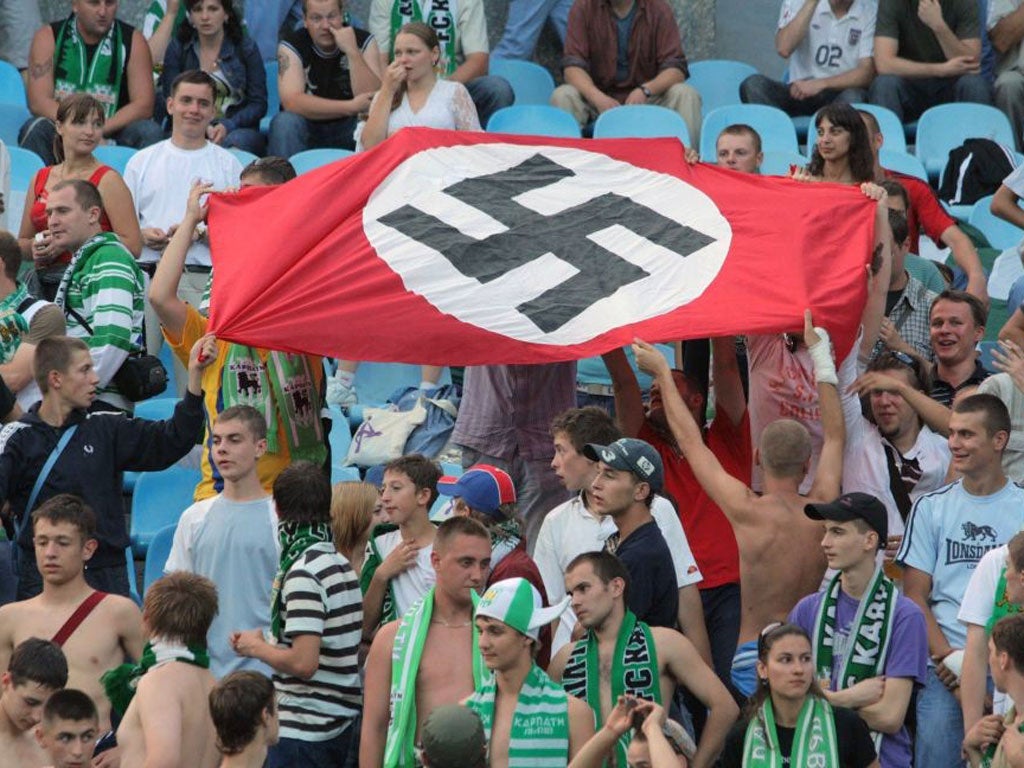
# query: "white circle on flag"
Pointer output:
{"type": "Point", "coordinates": [673, 280]}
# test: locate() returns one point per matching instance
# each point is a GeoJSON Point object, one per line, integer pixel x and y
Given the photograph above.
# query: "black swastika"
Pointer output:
{"type": "Point", "coordinates": [530, 235]}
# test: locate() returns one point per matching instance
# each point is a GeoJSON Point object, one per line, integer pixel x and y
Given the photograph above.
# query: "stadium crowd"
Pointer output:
{"type": "Point", "coordinates": [757, 553]}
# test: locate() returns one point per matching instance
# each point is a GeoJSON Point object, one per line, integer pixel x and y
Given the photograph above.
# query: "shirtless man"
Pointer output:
{"type": "Point", "coordinates": [597, 583]}
{"type": "Point", "coordinates": [433, 646]}
{"type": "Point", "coordinates": [64, 537]}
{"type": "Point", "coordinates": [244, 712]}
{"type": "Point", "coordinates": [553, 725]}
{"type": "Point", "coordinates": [780, 548]}
{"type": "Point", "coordinates": [37, 669]}
{"type": "Point", "coordinates": [68, 730]}
{"type": "Point", "coordinates": [168, 721]}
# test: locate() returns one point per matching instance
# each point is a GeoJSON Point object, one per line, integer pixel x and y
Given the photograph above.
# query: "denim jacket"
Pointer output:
{"type": "Point", "coordinates": [242, 67]}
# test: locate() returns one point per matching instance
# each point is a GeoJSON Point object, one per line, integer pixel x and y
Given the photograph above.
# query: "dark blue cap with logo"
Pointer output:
{"type": "Point", "coordinates": [632, 455]}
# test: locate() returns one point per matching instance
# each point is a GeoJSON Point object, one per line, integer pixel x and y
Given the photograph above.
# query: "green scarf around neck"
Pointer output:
{"type": "Point", "coordinates": [13, 325]}
{"type": "Point", "coordinates": [75, 73]}
{"type": "Point", "coordinates": [634, 671]}
{"type": "Point", "coordinates": [295, 539]}
{"type": "Point", "coordinates": [814, 742]}
{"type": "Point", "coordinates": [439, 16]}
{"type": "Point", "coordinates": [539, 735]}
{"type": "Point", "coordinates": [121, 682]}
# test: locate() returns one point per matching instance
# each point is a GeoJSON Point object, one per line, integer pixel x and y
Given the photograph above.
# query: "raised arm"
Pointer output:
{"type": "Point", "coordinates": [629, 403]}
{"type": "Point", "coordinates": [733, 497]}
{"type": "Point", "coordinates": [163, 289]}
{"type": "Point", "coordinates": [162, 34]}
{"type": "Point", "coordinates": [828, 478]}
{"type": "Point", "coordinates": [729, 399]}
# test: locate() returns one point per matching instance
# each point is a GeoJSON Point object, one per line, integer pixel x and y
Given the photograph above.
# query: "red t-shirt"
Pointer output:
{"type": "Point", "coordinates": [707, 529]}
{"type": "Point", "coordinates": [926, 212]}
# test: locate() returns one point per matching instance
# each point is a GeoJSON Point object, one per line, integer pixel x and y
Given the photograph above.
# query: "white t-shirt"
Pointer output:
{"type": "Point", "coordinates": [979, 599]}
{"type": "Point", "coordinates": [160, 178]}
{"type": "Point", "coordinates": [235, 545]}
{"type": "Point", "coordinates": [570, 529]}
{"type": "Point", "coordinates": [412, 583]}
{"type": "Point", "coordinates": [948, 532]}
{"type": "Point", "coordinates": [831, 46]}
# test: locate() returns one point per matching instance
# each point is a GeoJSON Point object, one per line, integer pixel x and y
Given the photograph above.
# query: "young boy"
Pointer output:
{"type": "Point", "coordinates": [167, 721]}
{"type": "Point", "coordinates": [316, 623]}
{"type": "Point", "coordinates": [231, 538]}
{"type": "Point", "coordinates": [397, 571]}
{"type": "Point", "coordinates": [36, 670]}
{"type": "Point", "coordinates": [69, 728]}
{"type": "Point", "coordinates": [245, 716]}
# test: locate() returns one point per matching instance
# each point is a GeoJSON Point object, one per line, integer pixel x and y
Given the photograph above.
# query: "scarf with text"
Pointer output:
{"type": "Point", "coordinates": [101, 77]}
{"type": "Point", "coordinates": [439, 15]}
{"type": "Point", "coordinates": [814, 742]}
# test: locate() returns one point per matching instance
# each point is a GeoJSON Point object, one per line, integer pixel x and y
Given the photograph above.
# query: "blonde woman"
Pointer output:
{"type": "Point", "coordinates": [355, 509]}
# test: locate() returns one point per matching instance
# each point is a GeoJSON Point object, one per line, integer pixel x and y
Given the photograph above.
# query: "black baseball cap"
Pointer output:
{"type": "Point", "coordinates": [854, 506]}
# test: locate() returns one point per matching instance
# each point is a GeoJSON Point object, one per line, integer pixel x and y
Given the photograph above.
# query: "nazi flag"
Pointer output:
{"type": "Point", "coordinates": [471, 248]}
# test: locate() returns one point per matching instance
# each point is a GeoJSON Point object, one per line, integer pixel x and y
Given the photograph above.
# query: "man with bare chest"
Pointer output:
{"type": "Point", "coordinates": [37, 669]}
{"type": "Point", "coordinates": [779, 547]}
{"type": "Point", "coordinates": [96, 631]}
{"type": "Point", "coordinates": [426, 658]}
{"type": "Point", "coordinates": [621, 655]}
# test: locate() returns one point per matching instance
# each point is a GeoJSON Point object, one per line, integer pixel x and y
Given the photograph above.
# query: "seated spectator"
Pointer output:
{"type": "Point", "coordinates": [25, 322]}
{"type": "Point", "coordinates": [957, 325]}
{"type": "Point", "coordinates": [871, 676]}
{"type": "Point", "coordinates": [214, 41]}
{"type": "Point", "coordinates": [462, 33]}
{"type": "Point", "coordinates": [738, 148]}
{"type": "Point", "coordinates": [994, 738]}
{"type": "Point", "coordinates": [68, 730]}
{"type": "Point", "coordinates": [927, 55]}
{"type": "Point", "coordinates": [926, 214]}
{"type": "Point", "coordinates": [411, 93]}
{"type": "Point", "coordinates": [1006, 34]}
{"type": "Point", "coordinates": [316, 622]}
{"type": "Point", "coordinates": [327, 74]}
{"type": "Point", "coordinates": [790, 702]}
{"type": "Point", "coordinates": [829, 46]}
{"type": "Point", "coordinates": [35, 670]}
{"type": "Point", "coordinates": [244, 713]}
{"type": "Point", "coordinates": [231, 538]}
{"type": "Point", "coordinates": [841, 153]}
{"type": "Point", "coordinates": [453, 737]}
{"type": "Point", "coordinates": [79, 122]}
{"type": "Point", "coordinates": [625, 52]}
{"type": "Point", "coordinates": [90, 52]}
{"type": "Point", "coordinates": [922, 269]}
{"type": "Point", "coordinates": [398, 571]}
{"type": "Point", "coordinates": [356, 508]}
{"type": "Point", "coordinates": [165, 720]}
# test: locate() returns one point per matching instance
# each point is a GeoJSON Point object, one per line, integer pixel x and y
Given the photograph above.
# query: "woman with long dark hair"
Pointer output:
{"type": "Point", "coordinates": [788, 721]}
{"type": "Point", "coordinates": [212, 39]}
{"type": "Point", "coordinates": [842, 150]}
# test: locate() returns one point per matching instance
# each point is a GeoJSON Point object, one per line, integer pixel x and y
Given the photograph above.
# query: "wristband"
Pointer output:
{"type": "Point", "coordinates": [954, 662]}
{"type": "Point", "coordinates": [821, 356]}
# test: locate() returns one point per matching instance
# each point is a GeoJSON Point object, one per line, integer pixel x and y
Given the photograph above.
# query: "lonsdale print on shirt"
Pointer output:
{"type": "Point", "coordinates": [976, 541]}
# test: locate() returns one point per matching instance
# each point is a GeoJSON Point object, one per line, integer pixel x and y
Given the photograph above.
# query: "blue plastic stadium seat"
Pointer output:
{"type": "Point", "coordinates": [12, 87]}
{"type": "Point", "coordinates": [774, 126]}
{"type": "Point", "coordinates": [718, 82]}
{"type": "Point", "coordinates": [24, 165]}
{"type": "Point", "coordinates": [531, 83]}
{"type": "Point", "coordinates": [901, 162]}
{"type": "Point", "coordinates": [158, 501]}
{"type": "Point", "coordinates": [534, 120]}
{"type": "Point", "coordinates": [1001, 234]}
{"type": "Point", "coordinates": [892, 129]}
{"type": "Point", "coordinates": [946, 126]}
{"type": "Point", "coordinates": [156, 409]}
{"type": "Point", "coordinates": [311, 159]}
{"type": "Point", "coordinates": [243, 157]}
{"type": "Point", "coordinates": [778, 163]}
{"type": "Point", "coordinates": [115, 156]}
{"type": "Point", "coordinates": [133, 585]}
{"type": "Point", "coordinates": [156, 556]}
{"type": "Point", "coordinates": [344, 474]}
{"type": "Point", "coordinates": [12, 117]}
{"type": "Point", "coordinates": [641, 121]}
{"type": "Point", "coordinates": [273, 96]}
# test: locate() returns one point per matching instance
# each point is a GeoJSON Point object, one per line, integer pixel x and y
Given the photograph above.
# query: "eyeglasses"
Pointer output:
{"type": "Point", "coordinates": [762, 639]}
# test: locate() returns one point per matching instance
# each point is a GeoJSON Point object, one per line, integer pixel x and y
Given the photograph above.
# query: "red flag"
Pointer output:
{"type": "Point", "coordinates": [463, 248]}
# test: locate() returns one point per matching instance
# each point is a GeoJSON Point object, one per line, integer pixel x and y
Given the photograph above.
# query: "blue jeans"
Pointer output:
{"type": "Point", "coordinates": [249, 139]}
{"type": "Point", "coordinates": [525, 21]}
{"type": "Point", "coordinates": [291, 133]}
{"type": "Point", "coordinates": [38, 132]}
{"type": "Point", "coordinates": [293, 753]}
{"type": "Point", "coordinates": [940, 726]}
{"type": "Point", "coordinates": [909, 97]}
{"type": "Point", "coordinates": [758, 89]}
{"type": "Point", "coordinates": [489, 93]}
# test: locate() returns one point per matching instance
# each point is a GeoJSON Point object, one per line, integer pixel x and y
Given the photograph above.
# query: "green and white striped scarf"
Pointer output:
{"type": "Point", "coordinates": [406, 653]}
{"type": "Point", "coordinates": [101, 77]}
{"type": "Point", "coordinates": [539, 737]}
{"type": "Point", "coordinates": [634, 671]}
{"type": "Point", "coordinates": [814, 742]}
{"type": "Point", "coordinates": [439, 16]}
{"type": "Point", "coordinates": [13, 325]}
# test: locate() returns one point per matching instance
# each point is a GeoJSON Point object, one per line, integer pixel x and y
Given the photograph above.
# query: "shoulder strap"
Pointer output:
{"type": "Point", "coordinates": [899, 490]}
{"type": "Point", "coordinates": [75, 620]}
{"type": "Point", "coordinates": [68, 309]}
{"type": "Point", "coordinates": [45, 472]}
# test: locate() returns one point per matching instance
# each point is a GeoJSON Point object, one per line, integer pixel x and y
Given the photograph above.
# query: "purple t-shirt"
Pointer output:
{"type": "Point", "coordinates": [907, 657]}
